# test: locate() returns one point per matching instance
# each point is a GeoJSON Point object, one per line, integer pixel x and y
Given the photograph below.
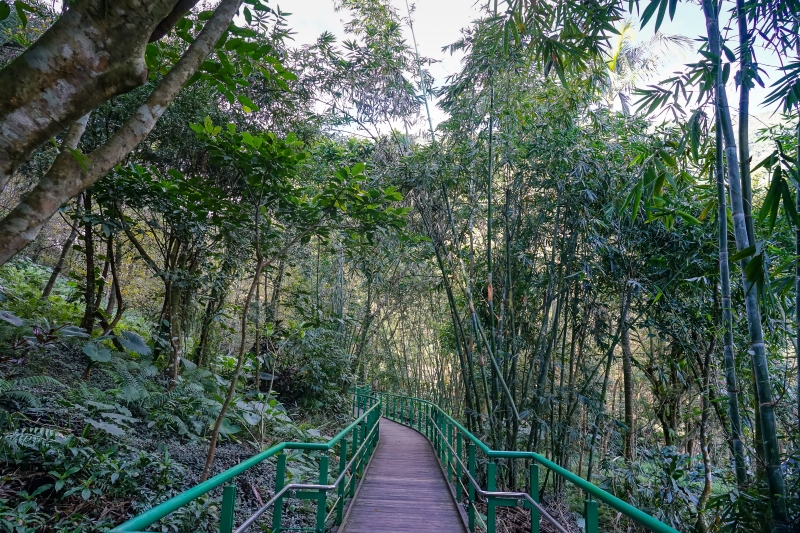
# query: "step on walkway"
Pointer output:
{"type": "Point", "coordinates": [403, 489]}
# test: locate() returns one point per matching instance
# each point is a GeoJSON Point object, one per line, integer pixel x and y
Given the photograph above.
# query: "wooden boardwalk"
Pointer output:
{"type": "Point", "coordinates": [404, 489]}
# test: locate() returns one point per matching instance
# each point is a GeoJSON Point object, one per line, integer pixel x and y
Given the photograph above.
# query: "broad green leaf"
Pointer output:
{"type": "Point", "coordinates": [112, 429]}
{"type": "Point", "coordinates": [11, 318]}
{"type": "Point", "coordinates": [96, 354]}
{"type": "Point", "coordinates": [134, 342]}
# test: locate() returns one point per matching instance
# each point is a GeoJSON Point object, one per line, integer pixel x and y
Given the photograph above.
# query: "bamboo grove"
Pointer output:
{"type": "Point", "coordinates": [595, 313]}
{"type": "Point", "coordinates": [572, 261]}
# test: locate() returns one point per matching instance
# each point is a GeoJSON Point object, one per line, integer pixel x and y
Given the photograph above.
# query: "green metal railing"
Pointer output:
{"type": "Point", "coordinates": [354, 445]}
{"type": "Point", "coordinates": [457, 450]}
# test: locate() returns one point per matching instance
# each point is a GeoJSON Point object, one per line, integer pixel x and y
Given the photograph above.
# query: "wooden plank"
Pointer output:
{"type": "Point", "coordinates": [403, 490]}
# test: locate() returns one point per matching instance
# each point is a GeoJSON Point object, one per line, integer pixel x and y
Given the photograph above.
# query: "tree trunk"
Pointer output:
{"type": "Point", "coordinates": [73, 234]}
{"type": "Point", "coordinates": [705, 393]}
{"type": "Point", "coordinates": [729, 362]}
{"type": "Point", "coordinates": [90, 54]}
{"type": "Point", "coordinates": [88, 246]}
{"type": "Point", "coordinates": [628, 448]}
{"type": "Point", "coordinates": [212, 448]}
{"type": "Point", "coordinates": [745, 79]}
{"type": "Point", "coordinates": [766, 405]}
{"type": "Point", "coordinates": [797, 277]}
{"type": "Point", "coordinates": [67, 176]}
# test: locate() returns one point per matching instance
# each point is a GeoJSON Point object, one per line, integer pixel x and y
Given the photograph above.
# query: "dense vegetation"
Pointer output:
{"type": "Point", "coordinates": [201, 258]}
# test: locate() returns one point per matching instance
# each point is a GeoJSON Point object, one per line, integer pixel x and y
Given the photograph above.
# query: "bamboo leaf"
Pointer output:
{"type": "Point", "coordinates": [742, 254]}
{"type": "Point", "coordinates": [789, 205]}
{"type": "Point", "coordinates": [687, 217]}
{"type": "Point", "coordinates": [772, 199]}
{"type": "Point", "coordinates": [661, 11]}
{"type": "Point", "coordinates": [767, 161]}
{"type": "Point", "coordinates": [637, 199]}
{"type": "Point", "coordinates": [649, 11]}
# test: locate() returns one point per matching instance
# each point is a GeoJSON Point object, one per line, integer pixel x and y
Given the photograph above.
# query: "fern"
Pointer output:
{"type": "Point", "coordinates": [38, 381]}
{"type": "Point", "coordinates": [15, 389]}
{"type": "Point", "coordinates": [23, 397]}
{"type": "Point", "coordinates": [31, 437]}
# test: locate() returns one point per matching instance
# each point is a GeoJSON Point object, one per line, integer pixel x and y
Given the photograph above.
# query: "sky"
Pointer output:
{"type": "Point", "coordinates": [438, 23]}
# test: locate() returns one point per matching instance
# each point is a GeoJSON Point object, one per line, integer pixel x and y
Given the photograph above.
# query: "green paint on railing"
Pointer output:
{"type": "Point", "coordinates": [371, 410]}
{"type": "Point", "coordinates": [444, 432]}
{"type": "Point", "coordinates": [443, 421]}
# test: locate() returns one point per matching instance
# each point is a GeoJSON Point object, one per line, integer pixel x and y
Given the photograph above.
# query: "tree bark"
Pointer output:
{"type": "Point", "coordinates": [67, 177]}
{"type": "Point", "coordinates": [90, 54]}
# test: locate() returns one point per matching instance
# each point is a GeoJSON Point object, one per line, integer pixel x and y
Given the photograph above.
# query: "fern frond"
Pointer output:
{"type": "Point", "coordinates": [23, 396]}
{"type": "Point", "coordinates": [37, 381]}
{"type": "Point", "coordinates": [31, 437]}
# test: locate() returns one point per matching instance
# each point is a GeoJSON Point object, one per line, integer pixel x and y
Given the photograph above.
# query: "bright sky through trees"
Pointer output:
{"type": "Point", "coordinates": [438, 23]}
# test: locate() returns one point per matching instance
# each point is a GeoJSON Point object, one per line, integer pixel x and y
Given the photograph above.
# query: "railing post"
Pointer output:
{"type": "Point", "coordinates": [354, 475]}
{"type": "Point", "coordinates": [343, 482]}
{"type": "Point", "coordinates": [534, 492]}
{"type": "Point", "coordinates": [322, 499]}
{"type": "Point", "coordinates": [428, 422]}
{"type": "Point", "coordinates": [373, 440]}
{"type": "Point", "coordinates": [449, 436]}
{"type": "Point", "coordinates": [459, 470]}
{"type": "Point", "coordinates": [439, 437]}
{"type": "Point", "coordinates": [590, 515]}
{"type": "Point", "coordinates": [362, 436]}
{"type": "Point", "coordinates": [491, 504]}
{"type": "Point", "coordinates": [277, 510]}
{"type": "Point", "coordinates": [228, 505]}
{"type": "Point", "coordinates": [471, 487]}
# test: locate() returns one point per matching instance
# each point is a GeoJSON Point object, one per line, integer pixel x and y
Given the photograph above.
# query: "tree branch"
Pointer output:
{"type": "Point", "coordinates": [67, 177]}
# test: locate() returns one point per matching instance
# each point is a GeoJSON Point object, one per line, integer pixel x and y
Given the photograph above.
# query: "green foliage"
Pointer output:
{"type": "Point", "coordinates": [313, 371]}
{"type": "Point", "coordinates": [21, 284]}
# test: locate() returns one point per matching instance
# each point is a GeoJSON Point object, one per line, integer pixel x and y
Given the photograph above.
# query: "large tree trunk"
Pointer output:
{"type": "Point", "coordinates": [92, 53]}
{"type": "Point", "coordinates": [67, 176]}
{"type": "Point", "coordinates": [766, 405]}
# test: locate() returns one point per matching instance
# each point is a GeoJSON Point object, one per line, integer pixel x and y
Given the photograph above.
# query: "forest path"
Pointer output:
{"type": "Point", "coordinates": [403, 488]}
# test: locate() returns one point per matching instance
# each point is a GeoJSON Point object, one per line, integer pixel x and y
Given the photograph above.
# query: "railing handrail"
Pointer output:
{"type": "Point", "coordinates": [625, 508]}
{"type": "Point", "coordinates": [306, 486]}
{"type": "Point", "coordinates": [149, 517]}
